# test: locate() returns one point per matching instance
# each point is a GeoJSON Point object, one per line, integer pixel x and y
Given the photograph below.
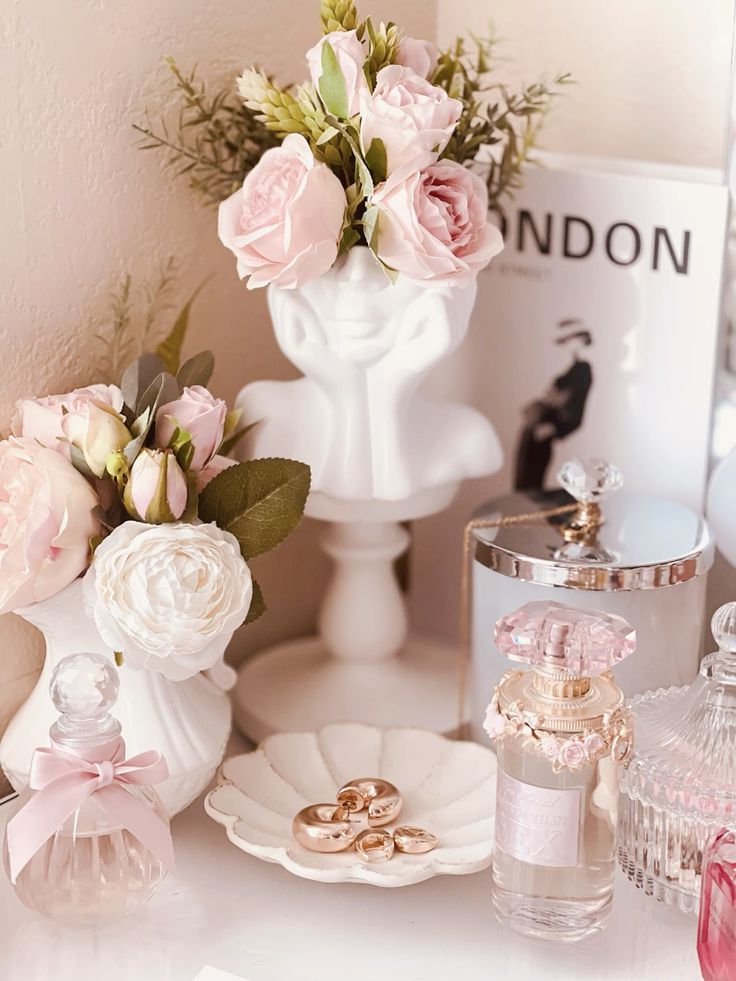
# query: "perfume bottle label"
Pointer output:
{"type": "Point", "coordinates": [538, 825]}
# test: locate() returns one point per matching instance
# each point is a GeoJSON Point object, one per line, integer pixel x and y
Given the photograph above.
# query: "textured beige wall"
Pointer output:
{"type": "Point", "coordinates": [654, 75]}
{"type": "Point", "coordinates": [80, 203]}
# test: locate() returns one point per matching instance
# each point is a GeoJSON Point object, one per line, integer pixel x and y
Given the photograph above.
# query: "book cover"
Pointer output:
{"type": "Point", "coordinates": [595, 333]}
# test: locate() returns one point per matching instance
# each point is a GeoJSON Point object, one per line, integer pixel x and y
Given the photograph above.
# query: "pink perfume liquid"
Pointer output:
{"type": "Point", "coordinates": [717, 917]}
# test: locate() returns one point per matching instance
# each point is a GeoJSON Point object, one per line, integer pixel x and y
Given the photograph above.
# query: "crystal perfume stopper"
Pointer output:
{"type": "Point", "coordinates": [723, 627]}
{"type": "Point", "coordinates": [588, 481]}
{"type": "Point", "coordinates": [580, 643]}
{"type": "Point", "coordinates": [84, 686]}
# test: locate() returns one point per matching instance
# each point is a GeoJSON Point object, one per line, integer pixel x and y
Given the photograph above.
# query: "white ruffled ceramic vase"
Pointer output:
{"type": "Point", "coordinates": [188, 722]}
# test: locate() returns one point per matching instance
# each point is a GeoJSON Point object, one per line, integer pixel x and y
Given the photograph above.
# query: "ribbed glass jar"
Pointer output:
{"type": "Point", "coordinates": [680, 786]}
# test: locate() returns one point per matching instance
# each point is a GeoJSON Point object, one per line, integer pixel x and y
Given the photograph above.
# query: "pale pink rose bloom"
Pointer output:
{"type": "Point", "coordinates": [284, 224]}
{"type": "Point", "coordinates": [216, 465]}
{"type": "Point", "coordinates": [494, 723]}
{"type": "Point", "coordinates": [350, 56]}
{"type": "Point", "coordinates": [89, 418]}
{"type": "Point", "coordinates": [594, 744]}
{"type": "Point", "coordinates": [433, 224]}
{"type": "Point", "coordinates": [550, 746]}
{"type": "Point", "coordinates": [408, 114]}
{"type": "Point", "coordinates": [203, 417]}
{"type": "Point", "coordinates": [421, 56]}
{"type": "Point", "coordinates": [156, 474]}
{"type": "Point", "coordinates": [46, 522]}
{"type": "Point", "coordinates": [572, 754]}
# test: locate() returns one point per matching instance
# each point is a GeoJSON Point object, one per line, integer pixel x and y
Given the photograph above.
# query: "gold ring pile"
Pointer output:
{"type": "Point", "coordinates": [330, 828]}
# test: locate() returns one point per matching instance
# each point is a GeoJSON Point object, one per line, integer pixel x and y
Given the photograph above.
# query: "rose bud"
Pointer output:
{"type": "Point", "coordinates": [157, 489]}
{"type": "Point", "coordinates": [201, 415]}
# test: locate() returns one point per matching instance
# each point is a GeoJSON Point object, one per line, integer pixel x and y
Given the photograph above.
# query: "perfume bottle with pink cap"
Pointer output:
{"type": "Point", "coordinates": [562, 731]}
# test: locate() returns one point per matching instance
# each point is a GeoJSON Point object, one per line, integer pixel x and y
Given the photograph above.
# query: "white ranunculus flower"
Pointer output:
{"type": "Point", "coordinates": [168, 596]}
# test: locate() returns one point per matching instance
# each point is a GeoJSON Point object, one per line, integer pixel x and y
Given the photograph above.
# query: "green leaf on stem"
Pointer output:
{"type": "Point", "coordinates": [376, 160]}
{"type": "Point", "coordinates": [332, 88]}
{"type": "Point", "coordinates": [257, 605]}
{"type": "Point", "coordinates": [260, 502]}
{"type": "Point", "coordinates": [197, 370]}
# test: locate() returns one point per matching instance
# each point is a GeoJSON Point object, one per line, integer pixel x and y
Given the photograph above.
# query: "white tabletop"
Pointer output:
{"type": "Point", "coordinates": [229, 910]}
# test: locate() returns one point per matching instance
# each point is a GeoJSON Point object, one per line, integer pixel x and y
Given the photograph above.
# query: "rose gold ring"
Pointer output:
{"type": "Point", "coordinates": [374, 846]}
{"type": "Point", "coordinates": [383, 800]}
{"type": "Point", "coordinates": [324, 828]}
{"type": "Point", "coordinates": [414, 841]}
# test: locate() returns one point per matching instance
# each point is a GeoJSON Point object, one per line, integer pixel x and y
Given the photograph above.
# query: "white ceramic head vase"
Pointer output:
{"type": "Point", "coordinates": [364, 346]}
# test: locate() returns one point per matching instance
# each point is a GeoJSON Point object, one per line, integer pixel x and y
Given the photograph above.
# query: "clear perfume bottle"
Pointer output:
{"type": "Point", "coordinates": [679, 788]}
{"type": "Point", "coordinates": [717, 917]}
{"type": "Point", "coordinates": [92, 866]}
{"type": "Point", "coordinates": [561, 731]}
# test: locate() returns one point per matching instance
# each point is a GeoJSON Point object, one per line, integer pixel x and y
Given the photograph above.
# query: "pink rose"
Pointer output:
{"type": "Point", "coordinates": [550, 746]}
{"type": "Point", "coordinates": [284, 224]}
{"type": "Point", "coordinates": [420, 56]}
{"type": "Point", "coordinates": [433, 224]}
{"type": "Point", "coordinates": [46, 522]}
{"type": "Point", "coordinates": [203, 417]}
{"type": "Point", "coordinates": [572, 754]}
{"type": "Point", "coordinates": [350, 58]}
{"type": "Point", "coordinates": [408, 115]}
{"type": "Point", "coordinates": [594, 744]}
{"type": "Point", "coordinates": [494, 723]}
{"type": "Point", "coordinates": [216, 465]}
{"type": "Point", "coordinates": [156, 491]}
{"type": "Point", "coordinates": [88, 418]}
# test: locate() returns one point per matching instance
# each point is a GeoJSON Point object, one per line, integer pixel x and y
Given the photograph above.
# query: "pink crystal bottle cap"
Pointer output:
{"type": "Point", "coordinates": [581, 643]}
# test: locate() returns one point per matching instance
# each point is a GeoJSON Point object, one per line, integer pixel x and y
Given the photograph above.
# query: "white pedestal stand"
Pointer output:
{"type": "Point", "coordinates": [362, 667]}
{"type": "Point", "coordinates": [381, 453]}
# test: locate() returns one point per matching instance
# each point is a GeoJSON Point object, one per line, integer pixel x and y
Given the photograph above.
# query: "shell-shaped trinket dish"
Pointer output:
{"type": "Point", "coordinates": [448, 789]}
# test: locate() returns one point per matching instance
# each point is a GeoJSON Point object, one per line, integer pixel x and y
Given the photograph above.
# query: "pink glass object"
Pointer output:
{"type": "Point", "coordinates": [551, 635]}
{"type": "Point", "coordinates": [717, 917]}
{"type": "Point", "coordinates": [91, 867]}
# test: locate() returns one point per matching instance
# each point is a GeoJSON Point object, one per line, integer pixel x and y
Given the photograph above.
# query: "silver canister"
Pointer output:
{"type": "Point", "coordinates": [640, 557]}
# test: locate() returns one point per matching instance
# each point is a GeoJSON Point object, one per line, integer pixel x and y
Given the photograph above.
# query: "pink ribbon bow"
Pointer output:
{"type": "Point", "coordinates": [63, 780]}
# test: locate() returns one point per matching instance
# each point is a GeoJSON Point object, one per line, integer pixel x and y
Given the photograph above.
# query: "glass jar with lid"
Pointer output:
{"type": "Point", "coordinates": [592, 544]}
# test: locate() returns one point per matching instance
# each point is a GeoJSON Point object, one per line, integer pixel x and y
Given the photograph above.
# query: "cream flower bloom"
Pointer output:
{"type": "Point", "coordinates": [169, 596]}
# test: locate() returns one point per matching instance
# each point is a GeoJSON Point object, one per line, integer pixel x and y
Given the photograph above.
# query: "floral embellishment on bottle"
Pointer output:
{"type": "Point", "coordinates": [572, 752]}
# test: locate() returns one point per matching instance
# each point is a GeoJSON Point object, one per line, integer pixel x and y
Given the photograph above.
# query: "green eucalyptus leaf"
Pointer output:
{"type": "Point", "coordinates": [169, 350]}
{"type": "Point", "coordinates": [190, 511]}
{"type": "Point", "coordinates": [332, 88]}
{"type": "Point", "coordinates": [376, 160]}
{"type": "Point", "coordinates": [327, 135]}
{"type": "Point", "coordinates": [370, 228]}
{"type": "Point", "coordinates": [260, 502]}
{"type": "Point", "coordinates": [257, 605]}
{"type": "Point", "coordinates": [138, 376]}
{"type": "Point", "coordinates": [197, 370]}
{"type": "Point", "coordinates": [164, 388]}
{"type": "Point", "coordinates": [229, 444]}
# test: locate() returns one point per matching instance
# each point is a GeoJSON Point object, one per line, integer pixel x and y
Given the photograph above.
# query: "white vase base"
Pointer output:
{"type": "Point", "coordinates": [299, 687]}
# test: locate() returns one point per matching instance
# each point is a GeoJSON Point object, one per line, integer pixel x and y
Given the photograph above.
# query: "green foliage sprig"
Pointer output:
{"type": "Point", "coordinates": [136, 319]}
{"type": "Point", "coordinates": [214, 141]}
{"type": "Point", "coordinates": [493, 116]}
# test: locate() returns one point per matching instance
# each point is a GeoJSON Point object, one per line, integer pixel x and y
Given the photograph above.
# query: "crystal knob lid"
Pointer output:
{"type": "Point", "coordinates": [84, 686]}
{"type": "Point", "coordinates": [588, 481]}
{"type": "Point", "coordinates": [581, 643]}
{"type": "Point", "coordinates": [723, 627]}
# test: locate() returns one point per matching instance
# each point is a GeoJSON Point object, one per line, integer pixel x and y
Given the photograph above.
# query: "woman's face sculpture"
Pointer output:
{"type": "Point", "coordinates": [363, 324]}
